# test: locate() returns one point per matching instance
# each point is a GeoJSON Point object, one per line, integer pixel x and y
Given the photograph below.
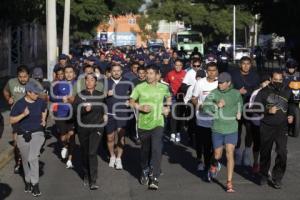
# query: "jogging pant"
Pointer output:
{"type": "Point", "coordinates": [204, 145]}
{"type": "Point", "coordinates": [89, 139]}
{"type": "Point", "coordinates": [256, 137]}
{"type": "Point", "coordinates": [30, 152]}
{"type": "Point", "coordinates": [269, 135]}
{"type": "Point", "coordinates": [151, 149]}
{"type": "Point", "coordinates": [248, 137]}
{"type": "Point", "coordinates": [177, 112]}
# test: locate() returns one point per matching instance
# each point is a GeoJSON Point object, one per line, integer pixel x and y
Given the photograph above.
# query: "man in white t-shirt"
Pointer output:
{"type": "Point", "coordinates": [203, 121]}
{"type": "Point", "coordinates": [188, 84]}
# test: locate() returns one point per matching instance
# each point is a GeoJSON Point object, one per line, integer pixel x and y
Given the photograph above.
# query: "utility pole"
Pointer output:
{"type": "Point", "coordinates": [66, 32]}
{"type": "Point", "coordinates": [234, 33]}
{"type": "Point", "coordinates": [255, 30]}
{"type": "Point", "coordinates": [51, 38]}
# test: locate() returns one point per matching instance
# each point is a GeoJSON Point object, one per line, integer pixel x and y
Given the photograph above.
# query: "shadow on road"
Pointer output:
{"type": "Point", "coordinates": [5, 191]}
{"type": "Point", "coordinates": [131, 160]}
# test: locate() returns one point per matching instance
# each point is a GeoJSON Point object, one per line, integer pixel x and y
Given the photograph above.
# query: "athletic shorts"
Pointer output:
{"type": "Point", "coordinates": [64, 126]}
{"type": "Point", "coordinates": [114, 124]}
{"type": "Point", "coordinates": [219, 139]}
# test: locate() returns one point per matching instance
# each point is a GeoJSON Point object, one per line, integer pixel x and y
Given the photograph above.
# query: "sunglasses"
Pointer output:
{"type": "Point", "coordinates": [197, 66]}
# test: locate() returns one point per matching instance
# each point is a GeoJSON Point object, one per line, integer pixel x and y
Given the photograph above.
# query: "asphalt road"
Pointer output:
{"type": "Point", "coordinates": [180, 180]}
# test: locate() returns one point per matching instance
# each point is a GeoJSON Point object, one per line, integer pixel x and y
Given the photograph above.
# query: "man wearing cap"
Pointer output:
{"type": "Point", "coordinates": [28, 116]}
{"type": "Point", "coordinates": [225, 105]}
{"type": "Point", "coordinates": [38, 75]}
{"type": "Point", "coordinates": [291, 73]}
{"type": "Point", "coordinates": [165, 67]}
{"type": "Point", "coordinates": [62, 62]}
{"type": "Point", "coordinates": [13, 91]}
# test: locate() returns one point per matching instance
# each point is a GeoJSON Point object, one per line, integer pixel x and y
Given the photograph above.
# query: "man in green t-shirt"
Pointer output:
{"type": "Point", "coordinates": [152, 100]}
{"type": "Point", "coordinates": [224, 104]}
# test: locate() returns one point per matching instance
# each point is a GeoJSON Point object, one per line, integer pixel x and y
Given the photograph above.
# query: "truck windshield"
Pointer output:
{"type": "Point", "coordinates": [192, 38]}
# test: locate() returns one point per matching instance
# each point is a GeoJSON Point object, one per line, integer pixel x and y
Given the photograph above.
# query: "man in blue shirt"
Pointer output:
{"type": "Point", "coordinates": [118, 91]}
{"type": "Point", "coordinates": [63, 114]}
{"type": "Point", "coordinates": [28, 116]}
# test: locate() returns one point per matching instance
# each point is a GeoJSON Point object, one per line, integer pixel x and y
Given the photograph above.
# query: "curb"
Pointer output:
{"type": "Point", "coordinates": [6, 156]}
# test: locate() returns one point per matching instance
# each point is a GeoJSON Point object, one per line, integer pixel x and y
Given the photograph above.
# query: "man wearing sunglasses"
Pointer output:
{"type": "Point", "coordinates": [190, 77]}
{"type": "Point", "coordinates": [188, 84]}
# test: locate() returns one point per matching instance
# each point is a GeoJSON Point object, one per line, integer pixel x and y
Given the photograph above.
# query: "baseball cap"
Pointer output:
{"type": "Point", "coordinates": [63, 57]}
{"type": "Point", "coordinates": [37, 73]}
{"type": "Point", "coordinates": [224, 77]}
{"type": "Point", "coordinates": [291, 63]}
{"type": "Point", "coordinates": [92, 58]}
{"type": "Point", "coordinates": [32, 86]}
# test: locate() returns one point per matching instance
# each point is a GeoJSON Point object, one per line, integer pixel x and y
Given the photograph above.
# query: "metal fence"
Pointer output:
{"type": "Point", "coordinates": [25, 44]}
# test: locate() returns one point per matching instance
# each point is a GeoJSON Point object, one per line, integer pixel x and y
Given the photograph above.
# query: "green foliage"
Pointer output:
{"type": "Point", "coordinates": [144, 22]}
{"type": "Point", "coordinates": [213, 19]}
{"type": "Point", "coordinates": [121, 7]}
{"type": "Point", "coordinates": [85, 16]}
{"type": "Point", "coordinates": [16, 12]}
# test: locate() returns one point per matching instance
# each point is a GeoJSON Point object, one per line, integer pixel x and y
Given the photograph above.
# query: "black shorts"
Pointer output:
{"type": "Point", "coordinates": [114, 124]}
{"type": "Point", "coordinates": [64, 126]}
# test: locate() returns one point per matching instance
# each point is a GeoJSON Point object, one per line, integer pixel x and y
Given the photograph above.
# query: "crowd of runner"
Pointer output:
{"type": "Point", "coordinates": [109, 94]}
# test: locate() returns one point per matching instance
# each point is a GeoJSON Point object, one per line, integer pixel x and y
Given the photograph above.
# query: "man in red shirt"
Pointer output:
{"type": "Point", "coordinates": [175, 78]}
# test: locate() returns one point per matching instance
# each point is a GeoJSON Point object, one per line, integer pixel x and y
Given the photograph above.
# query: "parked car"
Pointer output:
{"type": "Point", "coordinates": [155, 45]}
{"type": "Point", "coordinates": [240, 52]}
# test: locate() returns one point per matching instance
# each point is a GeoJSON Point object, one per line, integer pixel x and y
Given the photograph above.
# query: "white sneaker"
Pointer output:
{"type": "Point", "coordinates": [247, 157]}
{"type": "Point", "coordinates": [200, 167]}
{"type": "Point", "coordinates": [173, 137]}
{"type": "Point", "coordinates": [119, 165]}
{"type": "Point", "coordinates": [64, 153]}
{"type": "Point", "coordinates": [112, 162]}
{"type": "Point", "coordinates": [238, 157]}
{"type": "Point", "coordinates": [178, 138]}
{"type": "Point", "coordinates": [69, 164]}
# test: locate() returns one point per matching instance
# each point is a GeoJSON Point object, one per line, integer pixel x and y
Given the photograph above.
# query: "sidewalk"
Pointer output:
{"type": "Point", "coordinates": [6, 149]}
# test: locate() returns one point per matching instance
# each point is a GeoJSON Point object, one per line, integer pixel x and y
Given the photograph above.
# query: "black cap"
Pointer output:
{"type": "Point", "coordinates": [63, 57]}
{"type": "Point", "coordinates": [37, 73]}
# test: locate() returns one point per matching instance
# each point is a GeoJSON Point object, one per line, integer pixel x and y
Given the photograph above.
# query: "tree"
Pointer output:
{"type": "Point", "coordinates": [123, 7]}
{"type": "Point", "coordinates": [212, 19]}
{"type": "Point", "coordinates": [17, 12]}
{"type": "Point", "coordinates": [85, 16]}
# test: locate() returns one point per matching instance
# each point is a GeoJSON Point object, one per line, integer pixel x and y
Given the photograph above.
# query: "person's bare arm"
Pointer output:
{"type": "Point", "coordinates": [7, 95]}
{"type": "Point", "coordinates": [44, 118]}
{"type": "Point", "coordinates": [195, 101]}
{"type": "Point", "coordinates": [16, 119]}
